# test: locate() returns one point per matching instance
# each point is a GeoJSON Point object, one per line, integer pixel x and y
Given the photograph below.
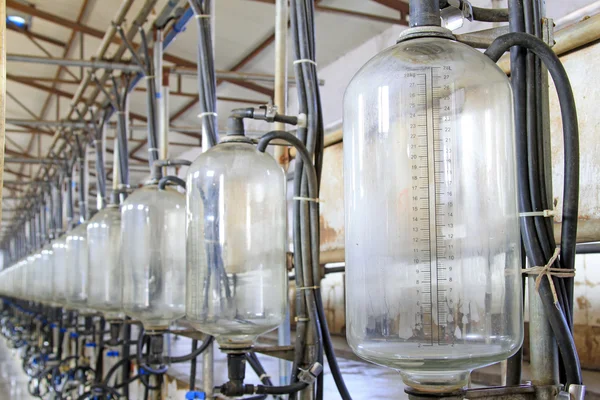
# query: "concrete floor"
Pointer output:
{"type": "Point", "coordinates": [13, 381]}
{"type": "Point", "coordinates": [364, 381]}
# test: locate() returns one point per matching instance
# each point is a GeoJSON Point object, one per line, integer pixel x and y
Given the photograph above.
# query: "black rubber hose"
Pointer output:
{"type": "Point", "coordinates": [301, 305]}
{"type": "Point", "coordinates": [162, 183]}
{"type": "Point", "coordinates": [288, 389]}
{"type": "Point", "coordinates": [490, 15]}
{"type": "Point", "coordinates": [118, 365]}
{"type": "Point", "coordinates": [312, 185]}
{"type": "Point", "coordinates": [560, 325]}
{"type": "Point", "coordinates": [258, 369]}
{"type": "Point", "coordinates": [141, 363]}
{"type": "Point", "coordinates": [194, 365]}
{"type": "Point", "coordinates": [195, 353]}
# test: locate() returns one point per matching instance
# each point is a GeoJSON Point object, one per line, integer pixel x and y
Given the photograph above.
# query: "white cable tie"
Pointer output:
{"type": "Point", "coordinates": [207, 113]}
{"type": "Point", "coordinates": [305, 60]}
{"type": "Point", "coordinates": [302, 120]}
{"type": "Point", "coordinates": [152, 149]}
{"type": "Point", "coordinates": [300, 198]}
{"type": "Point", "coordinates": [308, 287]}
{"type": "Point", "coordinates": [149, 76]}
{"type": "Point", "coordinates": [264, 376]}
{"type": "Point", "coordinates": [198, 16]}
{"type": "Point", "coordinates": [120, 112]}
{"type": "Point", "coordinates": [545, 213]}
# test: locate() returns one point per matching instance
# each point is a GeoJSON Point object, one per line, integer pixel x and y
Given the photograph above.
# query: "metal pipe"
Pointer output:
{"type": "Point", "coordinates": [282, 152]}
{"type": "Point", "coordinates": [208, 369]}
{"type": "Point", "coordinates": [22, 160]}
{"type": "Point", "coordinates": [166, 12]}
{"type": "Point", "coordinates": [162, 82]}
{"type": "Point", "coordinates": [568, 39]}
{"type": "Point", "coordinates": [70, 62]}
{"type": "Point", "coordinates": [18, 182]}
{"type": "Point", "coordinates": [424, 13]}
{"type": "Point", "coordinates": [45, 123]}
{"type": "Point", "coordinates": [543, 352]}
{"type": "Point", "coordinates": [234, 75]}
{"type": "Point", "coordinates": [57, 149]}
{"type": "Point", "coordinates": [2, 90]}
{"type": "Point", "coordinates": [280, 90]}
{"type": "Point", "coordinates": [578, 15]}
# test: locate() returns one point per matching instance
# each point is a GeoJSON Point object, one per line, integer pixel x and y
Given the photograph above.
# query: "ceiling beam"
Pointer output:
{"type": "Point", "coordinates": [236, 67]}
{"type": "Point", "coordinates": [79, 27]}
{"type": "Point", "coordinates": [356, 14]}
{"type": "Point", "coordinates": [34, 35]}
{"type": "Point", "coordinates": [38, 86]}
{"type": "Point", "coordinates": [34, 12]}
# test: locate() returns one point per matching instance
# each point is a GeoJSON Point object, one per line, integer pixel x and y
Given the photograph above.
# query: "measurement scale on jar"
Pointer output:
{"type": "Point", "coordinates": [431, 140]}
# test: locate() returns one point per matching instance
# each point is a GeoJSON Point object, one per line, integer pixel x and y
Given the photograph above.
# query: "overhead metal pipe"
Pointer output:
{"type": "Point", "coordinates": [23, 160]}
{"type": "Point", "coordinates": [70, 62]}
{"type": "Point", "coordinates": [45, 123]}
{"type": "Point", "coordinates": [424, 13]}
{"type": "Point", "coordinates": [57, 148]}
{"type": "Point", "coordinates": [235, 76]}
{"type": "Point", "coordinates": [17, 182]}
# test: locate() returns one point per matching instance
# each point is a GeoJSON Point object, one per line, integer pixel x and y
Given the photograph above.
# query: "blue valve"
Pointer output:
{"type": "Point", "coordinates": [63, 330]}
{"type": "Point", "coordinates": [142, 371]}
{"type": "Point", "coordinates": [90, 344]}
{"type": "Point", "coordinates": [53, 325]}
{"type": "Point", "coordinates": [112, 353]}
{"type": "Point", "coordinates": [193, 395]}
{"type": "Point", "coordinates": [74, 335]}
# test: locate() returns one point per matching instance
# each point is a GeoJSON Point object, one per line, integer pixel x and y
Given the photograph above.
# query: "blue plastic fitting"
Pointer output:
{"type": "Point", "coordinates": [194, 395]}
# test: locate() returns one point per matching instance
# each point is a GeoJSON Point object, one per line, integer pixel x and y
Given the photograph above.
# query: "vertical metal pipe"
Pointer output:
{"type": "Point", "coordinates": [69, 199]}
{"type": "Point", "coordinates": [162, 82]}
{"type": "Point", "coordinates": [2, 90]}
{"type": "Point", "coordinates": [543, 352]}
{"type": "Point", "coordinates": [282, 152]}
{"type": "Point", "coordinates": [280, 93]}
{"type": "Point", "coordinates": [208, 356]}
{"type": "Point", "coordinates": [59, 206]}
{"type": "Point", "coordinates": [82, 201]}
{"type": "Point", "coordinates": [208, 365]}
{"type": "Point", "coordinates": [424, 13]}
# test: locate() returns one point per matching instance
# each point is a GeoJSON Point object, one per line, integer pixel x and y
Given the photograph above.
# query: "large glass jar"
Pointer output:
{"type": "Point", "coordinates": [59, 278]}
{"type": "Point", "coordinates": [236, 243]}
{"type": "Point", "coordinates": [432, 229]}
{"type": "Point", "coordinates": [104, 266]}
{"type": "Point", "coordinates": [76, 267]}
{"type": "Point", "coordinates": [45, 275]}
{"type": "Point", "coordinates": [153, 256]}
{"type": "Point", "coordinates": [33, 284]}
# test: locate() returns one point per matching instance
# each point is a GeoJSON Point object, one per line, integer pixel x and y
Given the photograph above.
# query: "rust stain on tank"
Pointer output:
{"type": "Point", "coordinates": [583, 303]}
{"type": "Point", "coordinates": [284, 158]}
{"type": "Point", "coordinates": [587, 341]}
{"type": "Point", "coordinates": [328, 234]}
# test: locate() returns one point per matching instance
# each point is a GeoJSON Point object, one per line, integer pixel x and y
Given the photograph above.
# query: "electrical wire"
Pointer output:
{"type": "Point", "coordinates": [555, 312]}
